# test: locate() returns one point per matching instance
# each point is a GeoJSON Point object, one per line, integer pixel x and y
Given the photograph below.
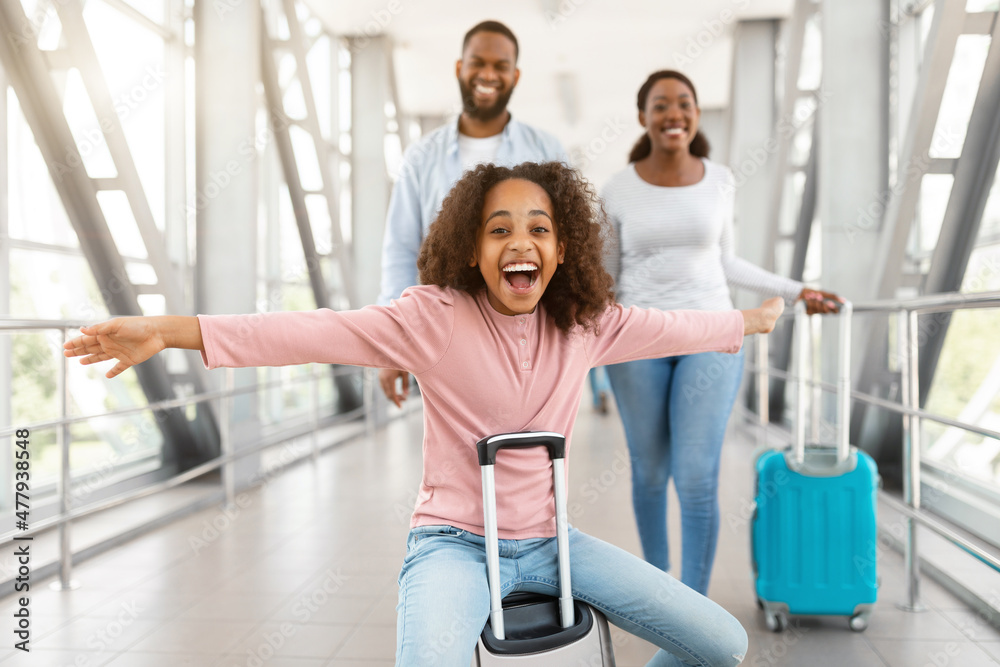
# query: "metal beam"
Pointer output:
{"type": "Point", "coordinates": [975, 172]}
{"type": "Point", "coordinates": [27, 70]}
{"type": "Point", "coordinates": [280, 123]}
{"type": "Point", "coordinates": [85, 58]}
{"type": "Point", "coordinates": [340, 253]}
{"type": "Point", "coordinates": [348, 395]}
{"type": "Point", "coordinates": [900, 203]}
{"type": "Point", "coordinates": [796, 29]}
{"type": "Point", "coordinates": [893, 214]}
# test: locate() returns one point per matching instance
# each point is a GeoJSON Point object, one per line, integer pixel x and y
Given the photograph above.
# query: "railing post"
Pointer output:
{"type": "Point", "coordinates": [226, 440]}
{"type": "Point", "coordinates": [63, 442]}
{"type": "Point", "coordinates": [368, 397]}
{"type": "Point", "coordinates": [908, 341]}
{"type": "Point", "coordinates": [314, 412]}
{"type": "Point", "coordinates": [763, 381]}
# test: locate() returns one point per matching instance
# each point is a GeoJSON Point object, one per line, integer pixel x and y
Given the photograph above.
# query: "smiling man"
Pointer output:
{"type": "Point", "coordinates": [485, 131]}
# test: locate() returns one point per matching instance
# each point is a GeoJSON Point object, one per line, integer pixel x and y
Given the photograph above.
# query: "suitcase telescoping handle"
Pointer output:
{"type": "Point", "coordinates": [843, 381]}
{"type": "Point", "coordinates": [487, 449]}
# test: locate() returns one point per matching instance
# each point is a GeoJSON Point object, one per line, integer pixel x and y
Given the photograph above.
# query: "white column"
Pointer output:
{"type": "Point", "coordinates": [370, 185]}
{"type": "Point", "coordinates": [227, 62]}
{"type": "Point", "coordinates": [752, 127]}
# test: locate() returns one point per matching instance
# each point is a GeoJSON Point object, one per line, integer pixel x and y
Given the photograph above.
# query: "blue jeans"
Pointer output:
{"type": "Point", "coordinates": [444, 598]}
{"type": "Point", "coordinates": [674, 411]}
{"type": "Point", "coordinates": [599, 384]}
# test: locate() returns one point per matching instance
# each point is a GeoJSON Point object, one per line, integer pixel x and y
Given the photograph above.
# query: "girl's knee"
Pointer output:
{"type": "Point", "coordinates": [731, 645]}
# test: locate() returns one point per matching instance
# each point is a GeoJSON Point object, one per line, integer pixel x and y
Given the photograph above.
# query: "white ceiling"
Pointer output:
{"type": "Point", "coordinates": [581, 61]}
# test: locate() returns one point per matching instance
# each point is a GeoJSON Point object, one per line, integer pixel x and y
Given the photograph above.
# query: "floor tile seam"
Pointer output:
{"type": "Point", "coordinates": [357, 628]}
{"type": "Point", "coordinates": [296, 594]}
{"type": "Point", "coordinates": [874, 649]}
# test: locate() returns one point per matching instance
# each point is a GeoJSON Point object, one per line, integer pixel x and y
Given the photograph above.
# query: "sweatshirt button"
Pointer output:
{"type": "Point", "coordinates": [524, 341]}
{"type": "Point", "coordinates": [521, 320]}
{"type": "Point", "coordinates": [525, 365]}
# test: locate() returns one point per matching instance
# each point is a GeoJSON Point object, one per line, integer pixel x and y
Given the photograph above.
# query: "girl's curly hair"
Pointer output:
{"type": "Point", "coordinates": [579, 291]}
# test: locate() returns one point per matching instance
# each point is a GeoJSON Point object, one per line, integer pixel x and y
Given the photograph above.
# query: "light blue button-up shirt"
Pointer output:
{"type": "Point", "coordinates": [431, 167]}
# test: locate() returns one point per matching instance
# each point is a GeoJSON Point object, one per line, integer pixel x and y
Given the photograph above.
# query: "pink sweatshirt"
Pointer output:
{"type": "Point", "coordinates": [480, 373]}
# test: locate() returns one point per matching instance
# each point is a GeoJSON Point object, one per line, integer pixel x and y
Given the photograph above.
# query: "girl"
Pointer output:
{"type": "Point", "coordinates": [514, 311]}
{"type": "Point", "coordinates": [671, 211]}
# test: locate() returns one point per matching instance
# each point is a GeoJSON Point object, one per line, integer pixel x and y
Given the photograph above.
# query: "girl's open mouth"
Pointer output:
{"type": "Point", "coordinates": [521, 276]}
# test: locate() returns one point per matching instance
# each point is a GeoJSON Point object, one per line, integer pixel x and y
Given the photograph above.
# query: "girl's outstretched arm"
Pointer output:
{"type": "Point", "coordinates": [132, 340]}
{"type": "Point", "coordinates": [762, 319]}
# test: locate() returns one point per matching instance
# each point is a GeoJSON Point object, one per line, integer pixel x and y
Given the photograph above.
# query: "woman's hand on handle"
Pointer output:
{"type": "Point", "coordinates": [762, 319]}
{"type": "Point", "coordinates": [820, 302]}
{"type": "Point", "coordinates": [132, 340]}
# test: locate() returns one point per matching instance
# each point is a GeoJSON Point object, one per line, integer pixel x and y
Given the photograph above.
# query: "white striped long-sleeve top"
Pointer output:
{"type": "Point", "coordinates": [672, 247]}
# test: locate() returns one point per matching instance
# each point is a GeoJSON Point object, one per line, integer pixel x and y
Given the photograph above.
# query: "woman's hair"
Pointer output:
{"type": "Point", "coordinates": [580, 289]}
{"type": "Point", "coordinates": [699, 145]}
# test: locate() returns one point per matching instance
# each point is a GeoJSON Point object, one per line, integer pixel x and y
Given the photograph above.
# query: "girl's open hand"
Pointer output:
{"type": "Point", "coordinates": [762, 319]}
{"type": "Point", "coordinates": [130, 340]}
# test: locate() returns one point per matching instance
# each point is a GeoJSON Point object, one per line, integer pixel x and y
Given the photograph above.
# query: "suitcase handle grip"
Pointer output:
{"type": "Point", "coordinates": [490, 445]}
{"type": "Point", "coordinates": [487, 449]}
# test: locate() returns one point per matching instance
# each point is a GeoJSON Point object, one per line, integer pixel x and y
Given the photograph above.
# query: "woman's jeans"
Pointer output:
{"type": "Point", "coordinates": [675, 411]}
{"type": "Point", "coordinates": [444, 598]}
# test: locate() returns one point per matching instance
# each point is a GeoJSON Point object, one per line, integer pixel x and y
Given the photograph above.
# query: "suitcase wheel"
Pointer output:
{"type": "Point", "coordinates": [775, 621]}
{"type": "Point", "coordinates": [859, 622]}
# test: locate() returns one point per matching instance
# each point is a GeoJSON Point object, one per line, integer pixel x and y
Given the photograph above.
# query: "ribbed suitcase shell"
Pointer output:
{"type": "Point", "coordinates": [814, 537]}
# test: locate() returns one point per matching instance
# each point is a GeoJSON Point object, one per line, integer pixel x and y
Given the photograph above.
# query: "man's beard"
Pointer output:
{"type": "Point", "coordinates": [482, 113]}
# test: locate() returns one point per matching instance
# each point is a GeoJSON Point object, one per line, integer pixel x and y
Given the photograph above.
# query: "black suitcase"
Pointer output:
{"type": "Point", "coordinates": [529, 628]}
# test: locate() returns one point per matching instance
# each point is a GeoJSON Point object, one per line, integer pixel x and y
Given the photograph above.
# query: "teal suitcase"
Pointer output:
{"type": "Point", "coordinates": [814, 532]}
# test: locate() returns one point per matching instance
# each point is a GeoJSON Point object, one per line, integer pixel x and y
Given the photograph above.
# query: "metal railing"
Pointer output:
{"type": "Point", "coordinates": [225, 461]}
{"type": "Point", "coordinates": [907, 313]}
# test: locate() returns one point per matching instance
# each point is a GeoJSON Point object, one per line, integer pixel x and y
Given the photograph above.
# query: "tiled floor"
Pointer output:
{"type": "Point", "coordinates": [302, 573]}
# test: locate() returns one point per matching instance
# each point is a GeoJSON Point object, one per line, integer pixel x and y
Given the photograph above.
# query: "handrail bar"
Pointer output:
{"type": "Point", "coordinates": [177, 480]}
{"type": "Point", "coordinates": [942, 530]}
{"type": "Point", "coordinates": [933, 302]}
{"type": "Point", "coordinates": [64, 518]}
{"type": "Point", "coordinates": [883, 403]}
{"type": "Point", "coordinates": [13, 324]}
{"type": "Point", "coordinates": [177, 402]}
